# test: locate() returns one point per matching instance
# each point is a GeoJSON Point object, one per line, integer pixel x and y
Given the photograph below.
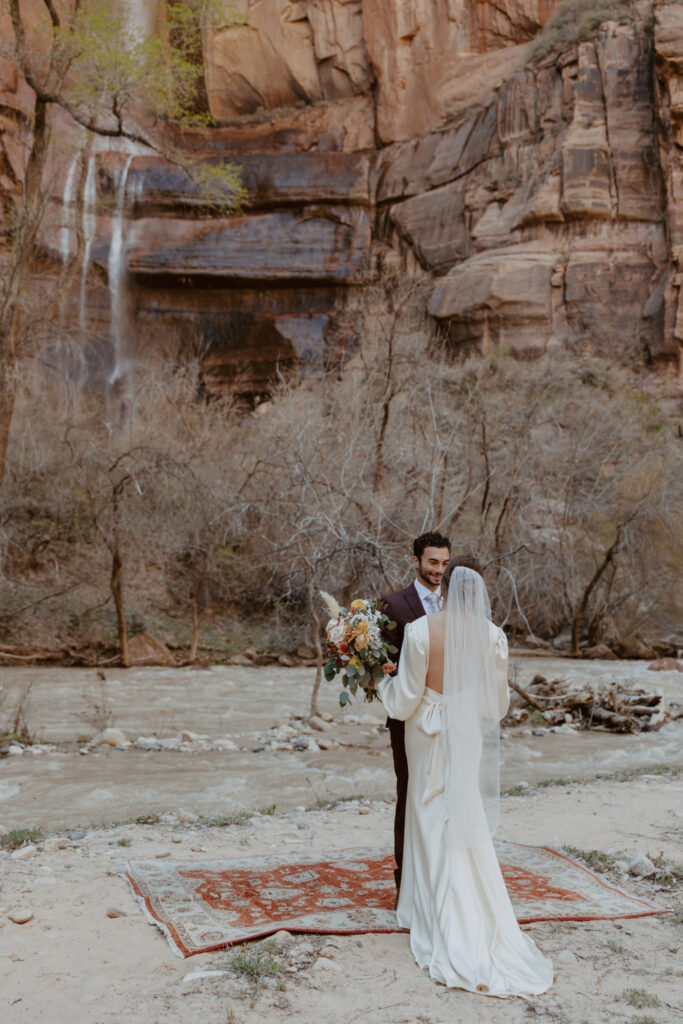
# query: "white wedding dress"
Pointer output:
{"type": "Point", "coordinates": [462, 925]}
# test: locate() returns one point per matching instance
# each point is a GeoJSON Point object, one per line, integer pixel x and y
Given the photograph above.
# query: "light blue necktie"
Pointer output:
{"type": "Point", "coordinates": [432, 602]}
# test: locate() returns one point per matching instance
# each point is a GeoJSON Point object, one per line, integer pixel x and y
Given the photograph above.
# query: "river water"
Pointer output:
{"type": "Point", "coordinates": [68, 706]}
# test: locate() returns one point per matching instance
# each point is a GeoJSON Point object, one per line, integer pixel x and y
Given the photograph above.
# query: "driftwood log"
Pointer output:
{"type": "Point", "coordinates": [610, 708]}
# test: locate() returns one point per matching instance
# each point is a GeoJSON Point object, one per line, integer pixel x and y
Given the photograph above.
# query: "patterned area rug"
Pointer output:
{"type": "Point", "coordinates": [209, 904]}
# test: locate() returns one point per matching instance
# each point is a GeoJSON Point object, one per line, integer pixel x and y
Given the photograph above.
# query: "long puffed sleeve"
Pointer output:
{"type": "Point", "coordinates": [402, 693]}
{"type": "Point", "coordinates": [501, 648]}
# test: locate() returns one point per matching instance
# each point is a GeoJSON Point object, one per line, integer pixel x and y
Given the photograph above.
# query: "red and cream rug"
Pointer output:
{"type": "Point", "coordinates": [209, 904]}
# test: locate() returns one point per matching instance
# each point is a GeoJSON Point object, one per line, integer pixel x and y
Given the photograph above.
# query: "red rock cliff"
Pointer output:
{"type": "Point", "coordinates": [541, 197]}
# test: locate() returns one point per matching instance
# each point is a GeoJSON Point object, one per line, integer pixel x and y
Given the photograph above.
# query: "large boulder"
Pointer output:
{"type": "Point", "coordinates": [144, 649]}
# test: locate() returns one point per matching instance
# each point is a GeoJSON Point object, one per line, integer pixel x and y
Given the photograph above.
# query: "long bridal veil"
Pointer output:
{"type": "Point", "coordinates": [470, 702]}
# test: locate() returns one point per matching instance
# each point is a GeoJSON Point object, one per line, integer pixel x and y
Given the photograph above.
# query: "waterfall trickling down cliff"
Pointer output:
{"type": "Point", "coordinates": [117, 274]}
{"type": "Point", "coordinates": [67, 204]}
{"type": "Point", "coordinates": [89, 228]}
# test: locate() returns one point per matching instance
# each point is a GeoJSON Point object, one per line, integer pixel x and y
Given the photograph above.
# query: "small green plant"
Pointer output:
{"type": "Point", "coordinates": [255, 964]}
{"type": "Point", "coordinates": [593, 858]}
{"type": "Point", "coordinates": [270, 811]}
{"type": "Point", "coordinates": [535, 717]}
{"type": "Point", "coordinates": [615, 947]}
{"type": "Point", "coordinates": [639, 998]}
{"type": "Point", "coordinates": [326, 805]}
{"type": "Point", "coordinates": [19, 836]}
{"type": "Point", "coordinates": [643, 1019]}
{"type": "Point", "coordinates": [223, 820]}
{"type": "Point", "coordinates": [123, 842]}
{"type": "Point", "coordinates": [517, 791]}
{"type": "Point", "coordinates": [147, 819]}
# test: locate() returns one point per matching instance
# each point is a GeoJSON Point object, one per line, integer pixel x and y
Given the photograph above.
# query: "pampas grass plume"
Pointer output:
{"type": "Point", "coordinates": [332, 606]}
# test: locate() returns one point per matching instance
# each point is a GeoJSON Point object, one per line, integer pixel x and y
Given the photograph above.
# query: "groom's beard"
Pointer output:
{"type": "Point", "coordinates": [430, 579]}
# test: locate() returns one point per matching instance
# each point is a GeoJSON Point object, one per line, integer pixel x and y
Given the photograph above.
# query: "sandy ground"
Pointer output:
{"type": "Point", "coordinates": [72, 962]}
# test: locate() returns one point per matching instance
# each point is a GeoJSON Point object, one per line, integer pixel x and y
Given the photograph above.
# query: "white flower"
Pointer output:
{"type": "Point", "coordinates": [337, 633]}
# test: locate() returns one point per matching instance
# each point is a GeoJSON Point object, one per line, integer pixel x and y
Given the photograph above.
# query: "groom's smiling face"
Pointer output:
{"type": "Point", "coordinates": [431, 566]}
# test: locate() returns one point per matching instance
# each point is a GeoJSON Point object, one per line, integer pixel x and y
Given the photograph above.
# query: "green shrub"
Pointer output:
{"type": "Point", "coordinates": [574, 21]}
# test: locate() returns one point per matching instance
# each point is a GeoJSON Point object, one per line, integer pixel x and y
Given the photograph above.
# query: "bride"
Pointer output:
{"type": "Point", "coordinates": [451, 691]}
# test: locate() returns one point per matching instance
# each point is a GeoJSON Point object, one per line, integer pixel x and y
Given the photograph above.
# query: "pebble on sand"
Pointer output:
{"type": "Point", "coordinates": [21, 916]}
{"type": "Point", "coordinates": [55, 843]}
{"type": "Point", "coordinates": [24, 852]}
{"type": "Point", "coordinates": [116, 912]}
{"type": "Point", "coordinates": [324, 964]}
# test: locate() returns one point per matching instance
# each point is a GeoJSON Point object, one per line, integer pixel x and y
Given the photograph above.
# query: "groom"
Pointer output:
{"type": "Point", "coordinates": [431, 555]}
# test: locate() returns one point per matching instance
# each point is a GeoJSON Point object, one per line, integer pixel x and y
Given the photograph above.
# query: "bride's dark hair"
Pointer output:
{"type": "Point", "coordinates": [465, 562]}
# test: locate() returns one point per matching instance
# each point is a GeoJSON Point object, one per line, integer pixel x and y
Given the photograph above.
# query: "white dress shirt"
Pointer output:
{"type": "Point", "coordinates": [424, 592]}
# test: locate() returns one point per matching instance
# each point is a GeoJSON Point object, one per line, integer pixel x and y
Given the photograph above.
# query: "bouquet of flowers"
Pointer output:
{"type": "Point", "coordinates": [356, 648]}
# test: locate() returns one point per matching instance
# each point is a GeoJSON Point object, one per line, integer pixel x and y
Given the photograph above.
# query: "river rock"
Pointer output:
{"type": "Point", "coordinates": [641, 866]}
{"type": "Point", "coordinates": [21, 916]}
{"type": "Point", "coordinates": [240, 659]}
{"type": "Point", "coordinates": [224, 743]}
{"type": "Point", "coordinates": [147, 743]}
{"type": "Point", "coordinates": [111, 737]}
{"type": "Point", "coordinates": [56, 843]}
{"type": "Point", "coordinates": [170, 743]}
{"type": "Point", "coordinates": [325, 743]}
{"type": "Point", "coordinates": [187, 817]}
{"type": "Point", "coordinates": [116, 912]}
{"type": "Point", "coordinates": [24, 852]}
{"type": "Point", "coordinates": [635, 648]}
{"type": "Point", "coordinates": [144, 649]}
{"type": "Point", "coordinates": [324, 964]}
{"type": "Point", "coordinates": [665, 665]}
{"type": "Point", "coordinates": [600, 652]}
{"type": "Point", "coordinates": [318, 723]}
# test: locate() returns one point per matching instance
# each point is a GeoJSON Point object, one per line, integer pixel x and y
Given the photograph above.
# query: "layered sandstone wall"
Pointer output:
{"type": "Point", "coordinates": [542, 198]}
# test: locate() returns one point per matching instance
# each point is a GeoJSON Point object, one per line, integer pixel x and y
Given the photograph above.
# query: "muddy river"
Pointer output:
{"type": "Point", "coordinates": [67, 707]}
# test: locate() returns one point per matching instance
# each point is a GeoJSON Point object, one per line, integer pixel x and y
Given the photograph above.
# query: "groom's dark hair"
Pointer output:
{"type": "Point", "coordinates": [429, 540]}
